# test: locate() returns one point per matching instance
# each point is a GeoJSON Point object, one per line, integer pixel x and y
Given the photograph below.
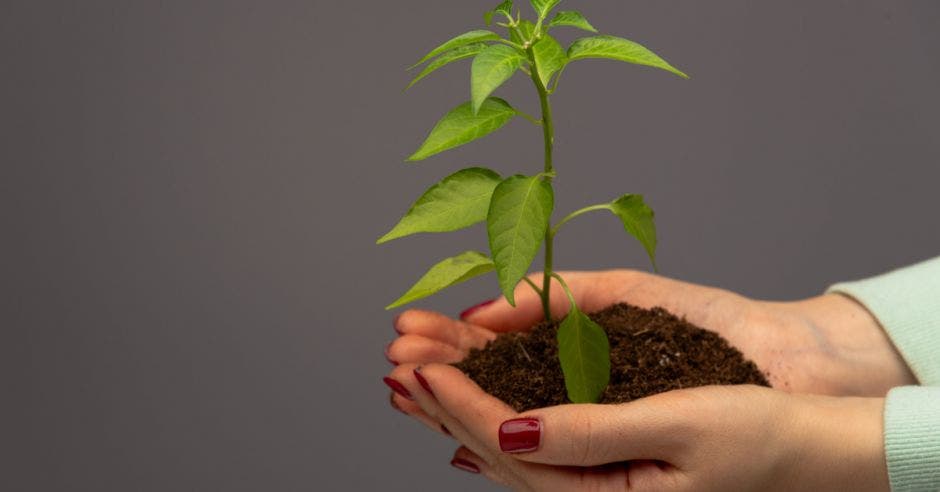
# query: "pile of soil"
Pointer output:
{"type": "Point", "coordinates": [651, 351]}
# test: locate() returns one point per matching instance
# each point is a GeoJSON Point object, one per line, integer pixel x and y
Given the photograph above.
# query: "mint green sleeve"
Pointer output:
{"type": "Point", "coordinates": [907, 304]}
{"type": "Point", "coordinates": [912, 438]}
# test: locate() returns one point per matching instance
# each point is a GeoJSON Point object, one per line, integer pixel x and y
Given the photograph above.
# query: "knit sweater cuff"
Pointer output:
{"type": "Point", "coordinates": [912, 438]}
{"type": "Point", "coordinates": [907, 304]}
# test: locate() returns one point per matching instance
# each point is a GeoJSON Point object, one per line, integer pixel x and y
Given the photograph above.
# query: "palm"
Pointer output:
{"type": "Point", "coordinates": [796, 353]}
{"type": "Point", "coordinates": [823, 345]}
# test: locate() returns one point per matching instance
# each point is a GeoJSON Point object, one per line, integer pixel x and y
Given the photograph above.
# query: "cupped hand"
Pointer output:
{"type": "Point", "coordinates": [824, 345]}
{"type": "Point", "coordinates": [703, 439]}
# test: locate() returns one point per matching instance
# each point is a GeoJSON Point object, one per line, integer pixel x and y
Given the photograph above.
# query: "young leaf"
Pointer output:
{"type": "Point", "coordinates": [572, 19]}
{"type": "Point", "coordinates": [471, 37]}
{"type": "Point", "coordinates": [543, 7]}
{"type": "Point", "coordinates": [461, 125]}
{"type": "Point", "coordinates": [618, 49]}
{"type": "Point", "coordinates": [449, 272]}
{"type": "Point", "coordinates": [516, 223]}
{"type": "Point", "coordinates": [637, 218]}
{"type": "Point", "coordinates": [447, 58]}
{"type": "Point", "coordinates": [504, 8]}
{"type": "Point", "coordinates": [524, 31]}
{"type": "Point", "coordinates": [584, 353]}
{"type": "Point", "coordinates": [490, 69]}
{"type": "Point", "coordinates": [549, 57]}
{"type": "Point", "coordinates": [459, 200]}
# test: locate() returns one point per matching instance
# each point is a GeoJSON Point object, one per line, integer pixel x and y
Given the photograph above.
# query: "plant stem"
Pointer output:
{"type": "Point", "coordinates": [547, 277]}
{"type": "Point", "coordinates": [548, 128]}
{"type": "Point", "coordinates": [564, 285]}
{"type": "Point", "coordinates": [510, 43]}
{"type": "Point", "coordinates": [603, 206]}
{"type": "Point", "coordinates": [534, 287]}
{"type": "Point", "coordinates": [548, 134]}
{"type": "Point", "coordinates": [532, 119]}
{"type": "Point", "coordinates": [557, 79]}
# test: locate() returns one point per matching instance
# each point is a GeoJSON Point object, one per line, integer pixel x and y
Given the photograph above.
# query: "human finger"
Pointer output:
{"type": "Point", "coordinates": [470, 462]}
{"type": "Point", "coordinates": [592, 291]}
{"type": "Point", "coordinates": [416, 349]}
{"type": "Point", "coordinates": [412, 409]}
{"type": "Point", "coordinates": [455, 396]}
{"type": "Point", "coordinates": [591, 435]}
{"type": "Point", "coordinates": [500, 316]}
{"type": "Point", "coordinates": [436, 326]}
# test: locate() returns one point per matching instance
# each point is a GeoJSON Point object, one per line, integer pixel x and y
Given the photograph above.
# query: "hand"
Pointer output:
{"type": "Point", "coordinates": [824, 345]}
{"type": "Point", "coordinates": [702, 439]}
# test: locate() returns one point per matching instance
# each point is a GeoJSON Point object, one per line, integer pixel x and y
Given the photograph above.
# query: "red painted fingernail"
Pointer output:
{"type": "Point", "coordinates": [464, 465]}
{"type": "Point", "coordinates": [398, 388]}
{"type": "Point", "coordinates": [423, 382]}
{"type": "Point", "coordinates": [391, 400]}
{"type": "Point", "coordinates": [445, 430]}
{"type": "Point", "coordinates": [470, 310]}
{"type": "Point", "coordinates": [395, 324]}
{"type": "Point", "coordinates": [389, 357]}
{"type": "Point", "coordinates": [520, 435]}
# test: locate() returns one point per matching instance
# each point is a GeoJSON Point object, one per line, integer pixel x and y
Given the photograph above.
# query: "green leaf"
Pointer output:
{"type": "Point", "coordinates": [637, 218]}
{"type": "Point", "coordinates": [524, 32]}
{"type": "Point", "coordinates": [573, 19]}
{"type": "Point", "coordinates": [504, 8]}
{"type": "Point", "coordinates": [459, 200]}
{"type": "Point", "coordinates": [449, 272]}
{"type": "Point", "coordinates": [621, 49]}
{"type": "Point", "coordinates": [448, 58]}
{"type": "Point", "coordinates": [543, 7]}
{"type": "Point", "coordinates": [461, 126]}
{"type": "Point", "coordinates": [471, 37]}
{"type": "Point", "coordinates": [584, 353]}
{"type": "Point", "coordinates": [516, 224]}
{"type": "Point", "coordinates": [490, 69]}
{"type": "Point", "coordinates": [549, 57]}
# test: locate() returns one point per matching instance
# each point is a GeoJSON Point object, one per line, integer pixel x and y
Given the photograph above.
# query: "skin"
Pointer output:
{"type": "Point", "coordinates": [819, 428]}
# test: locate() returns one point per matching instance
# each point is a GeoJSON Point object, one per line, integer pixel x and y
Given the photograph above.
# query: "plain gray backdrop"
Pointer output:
{"type": "Point", "coordinates": [191, 190]}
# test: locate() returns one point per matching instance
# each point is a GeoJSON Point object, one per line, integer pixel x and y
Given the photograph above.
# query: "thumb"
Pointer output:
{"type": "Point", "coordinates": [500, 316]}
{"type": "Point", "coordinates": [592, 435]}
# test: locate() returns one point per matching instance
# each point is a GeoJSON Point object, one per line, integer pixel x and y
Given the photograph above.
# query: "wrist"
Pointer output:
{"type": "Point", "coordinates": [869, 363]}
{"type": "Point", "coordinates": [843, 320]}
{"type": "Point", "coordinates": [837, 443]}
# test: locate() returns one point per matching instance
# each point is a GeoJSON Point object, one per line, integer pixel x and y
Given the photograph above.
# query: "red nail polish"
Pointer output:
{"type": "Point", "coordinates": [445, 430]}
{"type": "Point", "coordinates": [520, 435]}
{"type": "Point", "coordinates": [389, 357]}
{"type": "Point", "coordinates": [423, 382]}
{"type": "Point", "coordinates": [398, 388]}
{"type": "Point", "coordinates": [391, 400]}
{"type": "Point", "coordinates": [464, 465]}
{"type": "Point", "coordinates": [467, 312]}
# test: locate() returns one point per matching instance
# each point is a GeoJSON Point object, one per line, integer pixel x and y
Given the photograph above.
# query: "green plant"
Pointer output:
{"type": "Point", "coordinates": [518, 209]}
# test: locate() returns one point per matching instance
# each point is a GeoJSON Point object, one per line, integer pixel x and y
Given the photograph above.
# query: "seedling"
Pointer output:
{"type": "Point", "coordinates": [517, 210]}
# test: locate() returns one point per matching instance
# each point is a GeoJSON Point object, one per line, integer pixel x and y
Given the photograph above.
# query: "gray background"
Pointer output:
{"type": "Point", "coordinates": [190, 190]}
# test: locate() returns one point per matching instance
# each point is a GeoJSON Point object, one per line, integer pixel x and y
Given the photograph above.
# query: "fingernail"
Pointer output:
{"type": "Point", "coordinates": [395, 324]}
{"type": "Point", "coordinates": [391, 400]}
{"type": "Point", "coordinates": [389, 357]}
{"type": "Point", "coordinates": [464, 465]}
{"type": "Point", "coordinates": [470, 310]}
{"type": "Point", "coordinates": [445, 430]}
{"type": "Point", "coordinates": [398, 388]}
{"type": "Point", "coordinates": [520, 435]}
{"type": "Point", "coordinates": [423, 382]}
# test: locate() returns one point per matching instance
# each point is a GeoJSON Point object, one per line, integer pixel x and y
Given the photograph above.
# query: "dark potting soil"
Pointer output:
{"type": "Point", "coordinates": [651, 351]}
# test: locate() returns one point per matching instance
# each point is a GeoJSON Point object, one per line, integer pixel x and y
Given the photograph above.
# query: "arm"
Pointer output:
{"type": "Point", "coordinates": [907, 304]}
